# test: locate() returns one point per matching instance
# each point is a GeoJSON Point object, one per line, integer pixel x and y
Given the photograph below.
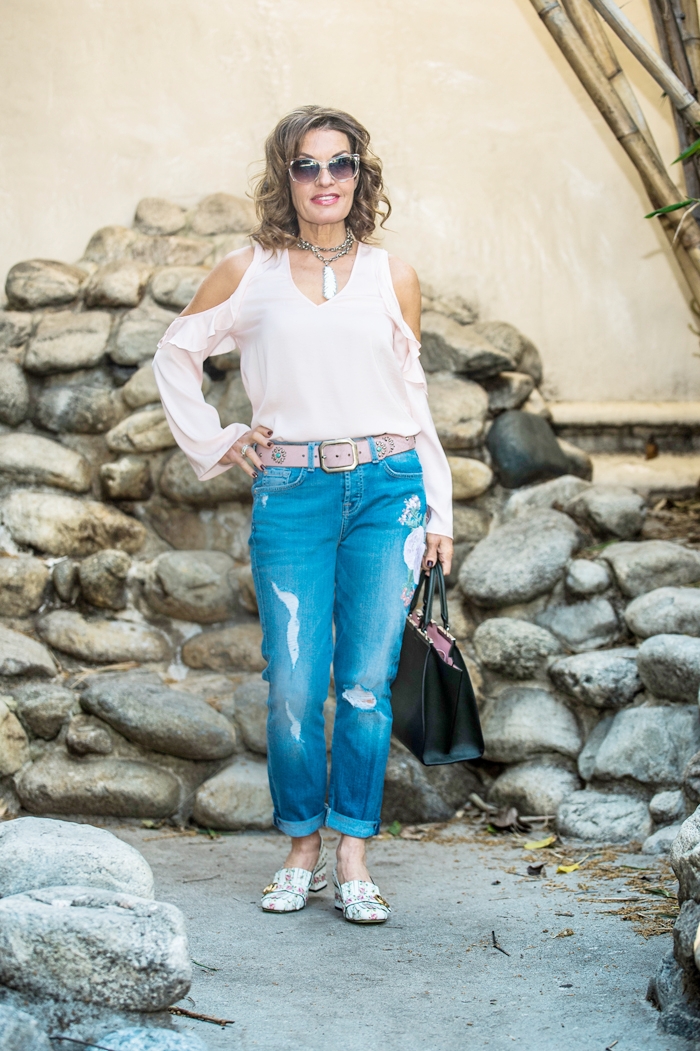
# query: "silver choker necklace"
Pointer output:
{"type": "Point", "coordinates": [330, 285]}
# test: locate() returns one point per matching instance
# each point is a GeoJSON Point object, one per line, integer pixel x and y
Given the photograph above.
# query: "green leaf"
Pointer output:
{"type": "Point", "coordinates": [672, 208]}
{"type": "Point", "coordinates": [692, 149]}
{"type": "Point", "coordinates": [394, 828]}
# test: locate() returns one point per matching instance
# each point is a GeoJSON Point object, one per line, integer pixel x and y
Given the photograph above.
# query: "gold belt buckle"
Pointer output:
{"type": "Point", "coordinates": [338, 441]}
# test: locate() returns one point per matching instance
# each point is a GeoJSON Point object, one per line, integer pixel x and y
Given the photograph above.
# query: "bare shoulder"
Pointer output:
{"type": "Point", "coordinates": [407, 288]}
{"type": "Point", "coordinates": [222, 282]}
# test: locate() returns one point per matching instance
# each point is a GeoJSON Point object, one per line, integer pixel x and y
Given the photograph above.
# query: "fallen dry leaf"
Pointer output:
{"type": "Point", "coordinates": [566, 933]}
{"type": "Point", "coordinates": [569, 868]}
{"type": "Point", "coordinates": [540, 843]}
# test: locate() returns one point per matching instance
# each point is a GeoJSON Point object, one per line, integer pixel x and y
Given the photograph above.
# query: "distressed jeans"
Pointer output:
{"type": "Point", "coordinates": [334, 550]}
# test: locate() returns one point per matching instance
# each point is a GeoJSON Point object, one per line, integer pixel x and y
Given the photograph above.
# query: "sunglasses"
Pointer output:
{"type": "Point", "coordinates": [342, 168]}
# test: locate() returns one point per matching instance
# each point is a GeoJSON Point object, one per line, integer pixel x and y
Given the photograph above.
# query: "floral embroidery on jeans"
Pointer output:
{"type": "Point", "coordinates": [414, 546]}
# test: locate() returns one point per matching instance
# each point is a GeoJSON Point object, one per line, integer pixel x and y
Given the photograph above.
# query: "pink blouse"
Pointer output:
{"type": "Point", "coordinates": [348, 367]}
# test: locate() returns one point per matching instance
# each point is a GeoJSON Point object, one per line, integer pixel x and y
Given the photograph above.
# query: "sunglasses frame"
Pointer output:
{"type": "Point", "coordinates": [326, 165]}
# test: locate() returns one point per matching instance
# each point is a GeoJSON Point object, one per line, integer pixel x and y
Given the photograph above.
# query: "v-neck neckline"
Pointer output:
{"type": "Point", "coordinates": [325, 302]}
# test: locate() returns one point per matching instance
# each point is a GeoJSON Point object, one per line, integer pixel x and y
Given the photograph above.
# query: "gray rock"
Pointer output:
{"type": "Point", "coordinates": [140, 1039]}
{"type": "Point", "coordinates": [156, 215]}
{"type": "Point", "coordinates": [665, 611]}
{"type": "Point", "coordinates": [15, 327]}
{"type": "Point", "coordinates": [64, 578]}
{"type": "Point", "coordinates": [128, 478]}
{"type": "Point", "coordinates": [27, 458]}
{"type": "Point", "coordinates": [175, 286]}
{"type": "Point", "coordinates": [585, 578]}
{"type": "Point", "coordinates": [589, 752]}
{"type": "Point", "coordinates": [534, 788]}
{"type": "Point", "coordinates": [579, 462]}
{"type": "Point", "coordinates": [458, 408]}
{"type": "Point", "coordinates": [531, 362]}
{"type": "Point", "coordinates": [20, 1032]}
{"type": "Point", "coordinates": [514, 647]}
{"type": "Point", "coordinates": [503, 336]}
{"type": "Point", "coordinates": [93, 945]}
{"type": "Point", "coordinates": [192, 585]}
{"type": "Point", "coordinates": [669, 666]}
{"type": "Point", "coordinates": [77, 410]}
{"type": "Point", "coordinates": [227, 528]}
{"type": "Point", "coordinates": [649, 745]}
{"type": "Point", "coordinates": [604, 818]}
{"type": "Point", "coordinates": [446, 345]}
{"type": "Point", "coordinates": [234, 404]}
{"type": "Point", "coordinates": [103, 579]}
{"type": "Point", "coordinates": [221, 213]}
{"type": "Point", "coordinates": [667, 807]}
{"type": "Point", "coordinates": [86, 736]}
{"type": "Point", "coordinates": [606, 679]}
{"type": "Point", "coordinates": [685, 858]}
{"type": "Point", "coordinates": [138, 334]}
{"type": "Point", "coordinates": [118, 284]}
{"type": "Point", "coordinates": [14, 746]}
{"type": "Point", "coordinates": [246, 589]}
{"type": "Point", "coordinates": [582, 626]}
{"type": "Point", "coordinates": [110, 243]}
{"type": "Point", "coordinates": [520, 560]}
{"type": "Point", "coordinates": [159, 718]}
{"type": "Point", "coordinates": [660, 842]}
{"type": "Point", "coordinates": [141, 389]}
{"type": "Point", "coordinates": [408, 793]}
{"type": "Point", "coordinates": [470, 478]}
{"type": "Point", "coordinates": [524, 723]}
{"type": "Point", "coordinates": [453, 782]}
{"type": "Point", "coordinates": [173, 251]}
{"type": "Point", "coordinates": [14, 394]}
{"type": "Point", "coordinates": [691, 781]}
{"type": "Point", "coordinates": [685, 931]}
{"type": "Point", "coordinates": [146, 431]}
{"type": "Point", "coordinates": [250, 707]}
{"type": "Point", "coordinates": [179, 483]}
{"type": "Point", "coordinates": [44, 707]}
{"type": "Point", "coordinates": [226, 649]}
{"type": "Point", "coordinates": [612, 510]}
{"type": "Point", "coordinates": [43, 283]}
{"type": "Point", "coordinates": [543, 496]}
{"type": "Point", "coordinates": [39, 852]}
{"type": "Point", "coordinates": [508, 390]}
{"type": "Point", "coordinates": [651, 564]}
{"type": "Point", "coordinates": [62, 525]}
{"type": "Point", "coordinates": [237, 797]}
{"type": "Point", "coordinates": [23, 580]}
{"type": "Point", "coordinates": [58, 784]}
{"type": "Point", "coordinates": [470, 525]}
{"type": "Point", "coordinates": [20, 655]}
{"type": "Point", "coordinates": [65, 341]}
{"type": "Point", "coordinates": [102, 641]}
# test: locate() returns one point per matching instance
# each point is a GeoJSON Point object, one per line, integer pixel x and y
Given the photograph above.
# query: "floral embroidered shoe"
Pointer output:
{"type": "Point", "coordinates": [290, 888]}
{"type": "Point", "coordinates": [360, 901]}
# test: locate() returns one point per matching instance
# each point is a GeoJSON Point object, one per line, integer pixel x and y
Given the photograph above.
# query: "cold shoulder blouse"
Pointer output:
{"type": "Point", "coordinates": [348, 367]}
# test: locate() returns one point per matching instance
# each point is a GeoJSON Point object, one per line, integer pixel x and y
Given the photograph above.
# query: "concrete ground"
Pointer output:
{"type": "Point", "coordinates": [430, 979]}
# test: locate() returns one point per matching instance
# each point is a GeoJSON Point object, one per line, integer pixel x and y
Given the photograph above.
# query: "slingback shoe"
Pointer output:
{"type": "Point", "coordinates": [290, 888]}
{"type": "Point", "coordinates": [360, 901]}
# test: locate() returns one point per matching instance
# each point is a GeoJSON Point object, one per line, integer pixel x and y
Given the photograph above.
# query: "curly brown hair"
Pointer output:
{"type": "Point", "coordinates": [278, 225]}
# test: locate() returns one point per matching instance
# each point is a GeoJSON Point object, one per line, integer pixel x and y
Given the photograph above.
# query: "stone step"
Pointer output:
{"type": "Point", "coordinates": [664, 475]}
{"type": "Point", "coordinates": [628, 426]}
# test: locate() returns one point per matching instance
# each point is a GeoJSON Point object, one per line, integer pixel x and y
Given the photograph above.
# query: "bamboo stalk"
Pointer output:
{"type": "Point", "coordinates": [662, 191]}
{"type": "Point", "coordinates": [691, 38]}
{"type": "Point", "coordinates": [682, 99]}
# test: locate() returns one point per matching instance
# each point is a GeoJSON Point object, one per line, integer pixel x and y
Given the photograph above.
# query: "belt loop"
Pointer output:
{"type": "Point", "coordinates": [310, 456]}
{"type": "Point", "coordinates": [373, 449]}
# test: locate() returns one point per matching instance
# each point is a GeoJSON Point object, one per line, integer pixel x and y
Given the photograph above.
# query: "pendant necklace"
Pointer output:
{"type": "Point", "coordinates": [330, 285]}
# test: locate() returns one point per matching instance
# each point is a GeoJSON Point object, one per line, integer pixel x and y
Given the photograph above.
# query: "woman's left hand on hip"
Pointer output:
{"type": "Point", "coordinates": [438, 548]}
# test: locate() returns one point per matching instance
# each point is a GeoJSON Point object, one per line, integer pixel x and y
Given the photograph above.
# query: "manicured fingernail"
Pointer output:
{"type": "Point", "coordinates": [262, 467]}
{"type": "Point", "coordinates": [269, 430]}
{"type": "Point", "coordinates": [429, 565]}
{"type": "Point", "coordinates": [269, 444]}
{"type": "Point", "coordinates": [254, 475]}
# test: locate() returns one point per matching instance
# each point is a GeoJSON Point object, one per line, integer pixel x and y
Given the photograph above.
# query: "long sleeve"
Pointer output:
{"type": "Point", "coordinates": [437, 476]}
{"type": "Point", "coordinates": [195, 425]}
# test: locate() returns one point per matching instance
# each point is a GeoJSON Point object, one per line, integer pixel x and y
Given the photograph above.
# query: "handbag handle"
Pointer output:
{"type": "Point", "coordinates": [427, 582]}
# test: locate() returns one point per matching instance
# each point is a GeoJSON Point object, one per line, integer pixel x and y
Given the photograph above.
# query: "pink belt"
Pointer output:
{"type": "Point", "coordinates": [338, 454]}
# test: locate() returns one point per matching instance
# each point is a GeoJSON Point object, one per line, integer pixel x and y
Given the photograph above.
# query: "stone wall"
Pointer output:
{"type": "Point", "coordinates": [129, 639]}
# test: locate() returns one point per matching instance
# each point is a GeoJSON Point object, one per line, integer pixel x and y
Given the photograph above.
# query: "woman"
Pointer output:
{"type": "Point", "coordinates": [340, 446]}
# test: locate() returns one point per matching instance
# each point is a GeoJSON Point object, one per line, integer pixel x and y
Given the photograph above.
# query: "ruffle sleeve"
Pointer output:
{"type": "Point", "coordinates": [406, 346]}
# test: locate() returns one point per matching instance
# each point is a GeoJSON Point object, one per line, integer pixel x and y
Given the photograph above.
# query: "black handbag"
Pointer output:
{"type": "Point", "coordinates": [435, 712]}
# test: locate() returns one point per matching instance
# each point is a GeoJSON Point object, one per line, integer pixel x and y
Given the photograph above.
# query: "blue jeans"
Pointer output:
{"type": "Point", "coordinates": [329, 550]}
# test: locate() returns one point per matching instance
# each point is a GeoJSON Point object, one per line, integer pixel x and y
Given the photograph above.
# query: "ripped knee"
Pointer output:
{"type": "Point", "coordinates": [360, 698]}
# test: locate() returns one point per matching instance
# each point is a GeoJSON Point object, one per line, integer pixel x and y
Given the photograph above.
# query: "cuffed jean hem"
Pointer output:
{"type": "Point", "coordinates": [350, 826]}
{"type": "Point", "coordinates": [300, 828]}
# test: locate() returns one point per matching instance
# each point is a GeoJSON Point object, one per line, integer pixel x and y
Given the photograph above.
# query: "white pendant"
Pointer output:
{"type": "Point", "coordinates": [330, 285]}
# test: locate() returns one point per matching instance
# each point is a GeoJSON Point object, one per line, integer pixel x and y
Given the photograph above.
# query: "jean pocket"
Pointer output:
{"type": "Point", "coordinates": [403, 465]}
{"type": "Point", "coordinates": [278, 479]}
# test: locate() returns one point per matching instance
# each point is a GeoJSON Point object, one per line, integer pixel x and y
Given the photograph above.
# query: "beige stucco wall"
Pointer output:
{"type": "Point", "coordinates": [506, 185]}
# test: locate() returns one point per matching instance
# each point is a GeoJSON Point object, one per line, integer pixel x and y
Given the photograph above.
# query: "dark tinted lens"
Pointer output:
{"type": "Point", "coordinates": [304, 170]}
{"type": "Point", "coordinates": [342, 168]}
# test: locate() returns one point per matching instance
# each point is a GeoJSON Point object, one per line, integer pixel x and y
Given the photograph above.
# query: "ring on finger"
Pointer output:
{"type": "Point", "coordinates": [244, 448]}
